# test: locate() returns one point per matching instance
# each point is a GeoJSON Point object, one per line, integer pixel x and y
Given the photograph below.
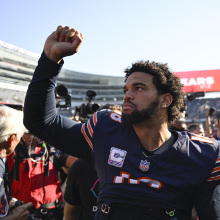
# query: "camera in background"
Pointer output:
{"type": "Point", "coordinates": [84, 111]}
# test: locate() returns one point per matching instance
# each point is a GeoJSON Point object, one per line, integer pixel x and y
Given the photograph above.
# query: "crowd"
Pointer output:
{"type": "Point", "coordinates": [143, 162]}
{"type": "Point", "coordinates": [197, 108]}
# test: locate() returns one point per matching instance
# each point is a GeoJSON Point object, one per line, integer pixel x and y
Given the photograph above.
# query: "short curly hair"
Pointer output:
{"type": "Point", "coordinates": [165, 82]}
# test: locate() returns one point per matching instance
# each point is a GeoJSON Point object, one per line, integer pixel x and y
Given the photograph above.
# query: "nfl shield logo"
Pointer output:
{"type": "Point", "coordinates": [144, 165]}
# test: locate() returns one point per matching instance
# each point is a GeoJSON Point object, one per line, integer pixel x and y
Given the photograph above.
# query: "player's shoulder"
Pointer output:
{"type": "Point", "coordinates": [107, 115]}
{"type": "Point", "coordinates": [204, 145]}
{"type": "Point", "coordinates": [202, 140]}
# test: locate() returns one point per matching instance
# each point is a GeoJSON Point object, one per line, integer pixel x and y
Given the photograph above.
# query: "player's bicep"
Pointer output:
{"type": "Point", "coordinates": [66, 136]}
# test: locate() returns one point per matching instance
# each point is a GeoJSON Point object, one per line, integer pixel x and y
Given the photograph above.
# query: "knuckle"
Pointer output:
{"type": "Point", "coordinates": [73, 30]}
{"type": "Point", "coordinates": [59, 27]}
{"type": "Point", "coordinates": [66, 28]}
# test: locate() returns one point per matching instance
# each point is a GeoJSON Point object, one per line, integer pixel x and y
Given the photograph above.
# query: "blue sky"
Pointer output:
{"type": "Point", "coordinates": [184, 34]}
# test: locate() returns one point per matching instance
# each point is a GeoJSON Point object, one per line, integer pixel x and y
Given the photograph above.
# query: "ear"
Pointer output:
{"type": "Point", "coordinates": [166, 100]}
{"type": "Point", "coordinates": [11, 140]}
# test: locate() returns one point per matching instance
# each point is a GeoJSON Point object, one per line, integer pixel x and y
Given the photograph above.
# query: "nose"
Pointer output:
{"type": "Point", "coordinates": [128, 95]}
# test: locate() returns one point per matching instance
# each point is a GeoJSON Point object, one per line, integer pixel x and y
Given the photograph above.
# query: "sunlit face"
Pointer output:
{"type": "Point", "coordinates": [141, 100]}
{"type": "Point", "coordinates": [180, 123]}
{"type": "Point", "coordinates": [199, 130]}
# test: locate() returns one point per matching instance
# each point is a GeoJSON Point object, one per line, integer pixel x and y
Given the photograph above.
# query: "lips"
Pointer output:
{"type": "Point", "coordinates": [127, 106]}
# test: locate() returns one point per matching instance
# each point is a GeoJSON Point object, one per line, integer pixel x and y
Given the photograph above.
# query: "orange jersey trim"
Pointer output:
{"type": "Point", "coordinates": [90, 129]}
{"type": "Point", "coordinates": [86, 137]}
{"type": "Point", "coordinates": [95, 118]}
{"type": "Point", "coordinates": [202, 139]}
{"type": "Point", "coordinates": [216, 169]}
{"type": "Point", "coordinates": [214, 178]}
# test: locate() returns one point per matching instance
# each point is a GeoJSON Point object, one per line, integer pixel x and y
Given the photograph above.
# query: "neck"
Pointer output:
{"type": "Point", "coordinates": [152, 137]}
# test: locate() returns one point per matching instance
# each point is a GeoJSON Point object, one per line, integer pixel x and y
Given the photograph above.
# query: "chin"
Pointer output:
{"type": "Point", "coordinates": [127, 111]}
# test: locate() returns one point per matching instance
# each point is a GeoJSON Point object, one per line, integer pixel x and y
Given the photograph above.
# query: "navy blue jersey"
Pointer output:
{"type": "Point", "coordinates": [186, 173]}
{"type": "Point", "coordinates": [166, 180]}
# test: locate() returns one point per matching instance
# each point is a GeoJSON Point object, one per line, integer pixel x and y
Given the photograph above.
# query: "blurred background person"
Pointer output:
{"type": "Point", "coordinates": [11, 131]}
{"type": "Point", "coordinates": [180, 123]}
{"type": "Point", "coordinates": [196, 128]}
{"type": "Point", "coordinates": [81, 192]}
{"type": "Point", "coordinates": [112, 107]}
{"type": "Point", "coordinates": [34, 170]}
{"type": "Point", "coordinates": [213, 130]}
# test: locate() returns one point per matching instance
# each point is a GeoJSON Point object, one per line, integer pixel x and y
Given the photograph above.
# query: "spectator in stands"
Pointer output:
{"type": "Point", "coordinates": [196, 128]}
{"type": "Point", "coordinates": [11, 130]}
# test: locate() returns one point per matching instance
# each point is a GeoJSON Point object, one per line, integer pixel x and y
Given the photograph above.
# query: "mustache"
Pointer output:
{"type": "Point", "coordinates": [128, 101]}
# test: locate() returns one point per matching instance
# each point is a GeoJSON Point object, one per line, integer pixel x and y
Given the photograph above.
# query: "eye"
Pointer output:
{"type": "Point", "coordinates": [125, 90]}
{"type": "Point", "coordinates": [139, 88]}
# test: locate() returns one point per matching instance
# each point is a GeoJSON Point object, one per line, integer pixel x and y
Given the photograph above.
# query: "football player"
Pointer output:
{"type": "Point", "coordinates": [145, 170]}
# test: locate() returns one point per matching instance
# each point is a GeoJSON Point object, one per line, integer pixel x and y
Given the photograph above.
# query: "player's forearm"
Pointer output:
{"type": "Point", "coordinates": [40, 114]}
{"type": "Point", "coordinates": [40, 104]}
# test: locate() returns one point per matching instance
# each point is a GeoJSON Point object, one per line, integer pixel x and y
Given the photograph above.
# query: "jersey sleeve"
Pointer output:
{"type": "Point", "coordinates": [89, 127]}
{"type": "Point", "coordinates": [41, 117]}
{"type": "Point", "coordinates": [215, 175]}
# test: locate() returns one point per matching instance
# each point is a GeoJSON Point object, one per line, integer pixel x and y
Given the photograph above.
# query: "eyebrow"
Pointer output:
{"type": "Point", "coordinates": [139, 83]}
{"type": "Point", "coordinates": [136, 84]}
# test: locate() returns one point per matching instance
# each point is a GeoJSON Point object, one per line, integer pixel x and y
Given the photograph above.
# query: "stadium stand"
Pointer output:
{"type": "Point", "coordinates": [17, 66]}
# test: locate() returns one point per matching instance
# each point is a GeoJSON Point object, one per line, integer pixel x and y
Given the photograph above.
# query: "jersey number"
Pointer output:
{"type": "Point", "coordinates": [149, 181]}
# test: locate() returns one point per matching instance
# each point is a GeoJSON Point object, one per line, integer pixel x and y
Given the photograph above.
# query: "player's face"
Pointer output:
{"type": "Point", "coordinates": [141, 99]}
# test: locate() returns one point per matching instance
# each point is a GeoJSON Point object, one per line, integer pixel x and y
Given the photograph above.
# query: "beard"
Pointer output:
{"type": "Point", "coordinates": [140, 116]}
